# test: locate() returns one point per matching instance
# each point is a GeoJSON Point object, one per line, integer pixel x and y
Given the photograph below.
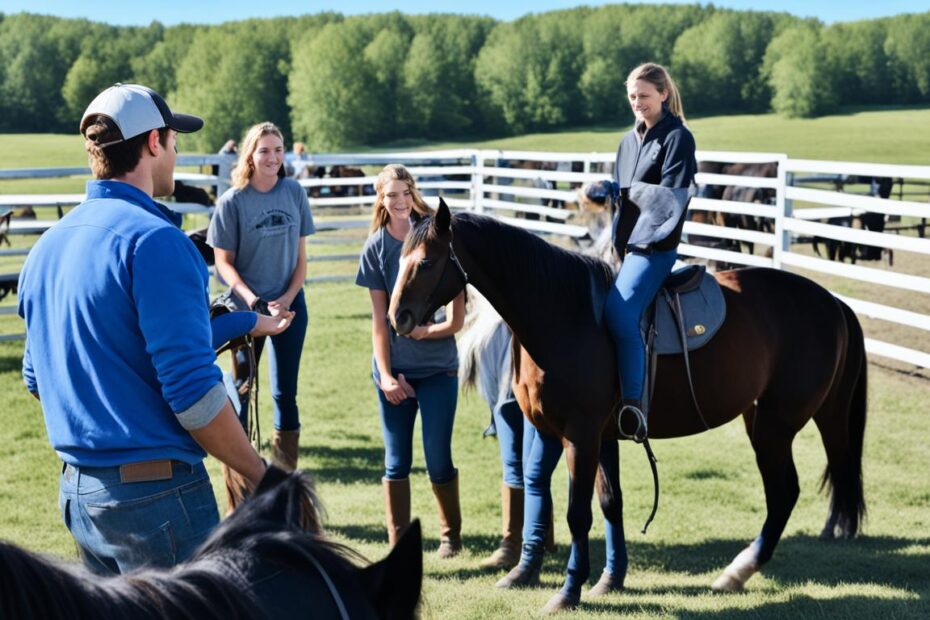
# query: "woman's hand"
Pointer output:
{"type": "Point", "coordinates": [396, 390]}
{"type": "Point", "coordinates": [420, 332]}
{"type": "Point", "coordinates": [272, 325]}
{"type": "Point", "coordinates": [280, 305]}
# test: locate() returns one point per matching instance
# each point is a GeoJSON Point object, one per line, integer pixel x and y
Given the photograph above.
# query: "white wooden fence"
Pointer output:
{"type": "Point", "coordinates": [531, 189]}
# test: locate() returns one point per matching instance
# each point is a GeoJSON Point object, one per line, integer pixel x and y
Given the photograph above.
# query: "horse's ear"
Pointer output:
{"type": "Point", "coordinates": [393, 584]}
{"type": "Point", "coordinates": [272, 478]}
{"type": "Point", "coordinates": [443, 218]}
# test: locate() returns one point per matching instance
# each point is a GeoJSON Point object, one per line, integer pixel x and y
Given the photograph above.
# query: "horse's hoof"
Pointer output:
{"type": "Point", "coordinates": [558, 603]}
{"type": "Point", "coordinates": [827, 534]}
{"type": "Point", "coordinates": [726, 583]}
{"type": "Point", "coordinates": [605, 585]}
{"type": "Point", "coordinates": [520, 576]}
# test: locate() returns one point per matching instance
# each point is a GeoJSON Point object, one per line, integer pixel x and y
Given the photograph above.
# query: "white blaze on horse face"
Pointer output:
{"type": "Point", "coordinates": [407, 263]}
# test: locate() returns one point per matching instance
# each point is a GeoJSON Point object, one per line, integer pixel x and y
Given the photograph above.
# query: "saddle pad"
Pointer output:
{"type": "Point", "coordinates": [703, 308]}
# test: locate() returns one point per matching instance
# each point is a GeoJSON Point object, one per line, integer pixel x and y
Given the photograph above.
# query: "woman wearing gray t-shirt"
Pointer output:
{"type": "Point", "coordinates": [419, 372]}
{"type": "Point", "coordinates": [259, 232]}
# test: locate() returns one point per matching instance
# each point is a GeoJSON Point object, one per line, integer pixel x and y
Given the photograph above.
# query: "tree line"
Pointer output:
{"type": "Point", "coordinates": [335, 82]}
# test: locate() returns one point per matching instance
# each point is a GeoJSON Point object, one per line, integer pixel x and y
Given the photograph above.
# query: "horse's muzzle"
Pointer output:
{"type": "Point", "coordinates": [404, 322]}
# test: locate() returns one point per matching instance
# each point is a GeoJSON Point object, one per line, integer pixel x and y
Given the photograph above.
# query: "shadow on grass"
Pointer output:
{"type": "Point", "coordinates": [11, 363]}
{"type": "Point", "coordinates": [797, 559]}
{"type": "Point", "coordinates": [798, 607]}
{"type": "Point", "coordinates": [348, 464]}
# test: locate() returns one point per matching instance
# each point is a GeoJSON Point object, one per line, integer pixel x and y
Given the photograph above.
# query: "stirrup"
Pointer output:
{"type": "Point", "coordinates": [640, 432]}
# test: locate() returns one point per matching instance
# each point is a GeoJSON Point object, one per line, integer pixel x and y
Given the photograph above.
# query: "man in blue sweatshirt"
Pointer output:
{"type": "Point", "coordinates": [118, 349]}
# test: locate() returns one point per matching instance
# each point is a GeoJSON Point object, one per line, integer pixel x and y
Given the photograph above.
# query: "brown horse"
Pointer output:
{"type": "Point", "coordinates": [788, 349]}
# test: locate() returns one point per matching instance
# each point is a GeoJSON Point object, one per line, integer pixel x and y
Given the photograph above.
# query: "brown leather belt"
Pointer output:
{"type": "Point", "coordinates": [146, 471]}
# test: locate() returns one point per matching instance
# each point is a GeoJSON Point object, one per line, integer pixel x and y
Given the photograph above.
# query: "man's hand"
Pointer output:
{"type": "Point", "coordinates": [272, 325]}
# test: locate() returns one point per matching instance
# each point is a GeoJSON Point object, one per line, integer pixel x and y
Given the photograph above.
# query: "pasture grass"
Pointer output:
{"type": "Point", "coordinates": [712, 503]}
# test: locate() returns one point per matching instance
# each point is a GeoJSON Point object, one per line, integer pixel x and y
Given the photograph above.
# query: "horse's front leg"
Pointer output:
{"type": "Point", "coordinates": [582, 460]}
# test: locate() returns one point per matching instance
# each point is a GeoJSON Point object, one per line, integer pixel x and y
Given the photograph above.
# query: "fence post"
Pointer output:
{"type": "Point", "coordinates": [224, 173]}
{"type": "Point", "coordinates": [783, 209]}
{"type": "Point", "coordinates": [477, 181]}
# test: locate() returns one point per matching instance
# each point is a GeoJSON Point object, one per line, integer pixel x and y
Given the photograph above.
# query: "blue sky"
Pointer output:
{"type": "Point", "coordinates": [171, 12]}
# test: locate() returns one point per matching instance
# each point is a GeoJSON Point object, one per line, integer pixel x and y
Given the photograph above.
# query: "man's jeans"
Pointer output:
{"type": "Point", "coordinates": [121, 526]}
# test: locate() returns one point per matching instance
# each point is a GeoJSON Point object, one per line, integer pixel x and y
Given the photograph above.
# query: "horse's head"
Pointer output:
{"type": "Point", "coordinates": [430, 274]}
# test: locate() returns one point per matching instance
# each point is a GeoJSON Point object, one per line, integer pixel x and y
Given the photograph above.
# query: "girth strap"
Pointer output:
{"type": "Point", "coordinates": [674, 303]}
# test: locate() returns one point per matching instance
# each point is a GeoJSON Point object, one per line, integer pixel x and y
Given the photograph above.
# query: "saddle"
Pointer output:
{"type": "Point", "coordinates": [688, 310]}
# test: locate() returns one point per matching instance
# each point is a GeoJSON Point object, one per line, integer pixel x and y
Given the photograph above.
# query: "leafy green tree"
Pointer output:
{"type": "Point", "coordinates": [35, 54]}
{"type": "Point", "coordinates": [232, 78]}
{"type": "Point", "coordinates": [105, 58]}
{"type": "Point", "coordinates": [330, 84]}
{"type": "Point", "coordinates": [439, 76]}
{"type": "Point", "coordinates": [856, 52]}
{"type": "Point", "coordinates": [908, 50]}
{"type": "Point", "coordinates": [717, 62]}
{"type": "Point", "coordinates": [157, 67]}
{"type": "Point", "coordinates": [386, 55]}
{"type": "Point", "coordinates": [529, 71]}
{"type": "Point", "coordinates": [798, 70]}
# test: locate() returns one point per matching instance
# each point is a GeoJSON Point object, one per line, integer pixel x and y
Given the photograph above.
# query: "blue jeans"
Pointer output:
{"type": "Point", "coordinates": [436, 397]}
{"type": "Point", "coordinates": [284, 365]}
{"type": "Point", "coordinates": [510, 422]}
{"type": "Point", "coordinates": [638, 281]}
{"type": "Point", "coordinates": [122, 526]}
{"type": "Point", "coordinates": [541, 453]}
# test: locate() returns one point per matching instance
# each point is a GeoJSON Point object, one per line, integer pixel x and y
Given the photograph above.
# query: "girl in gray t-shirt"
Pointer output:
{"type": "Point", "coordinates": [412, 373]}
{"type": "Point", "coordinates": [258, 233]}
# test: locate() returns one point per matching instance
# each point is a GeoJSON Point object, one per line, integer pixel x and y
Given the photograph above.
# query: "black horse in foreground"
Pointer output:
{"type": "Point", "coordinates": [269, 559]}
{"type": "Point", "coordinates": [788, 352]}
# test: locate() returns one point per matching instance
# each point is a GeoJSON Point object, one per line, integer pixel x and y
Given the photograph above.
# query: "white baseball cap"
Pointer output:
{"type": "Point", "coordinates": [135, 110]}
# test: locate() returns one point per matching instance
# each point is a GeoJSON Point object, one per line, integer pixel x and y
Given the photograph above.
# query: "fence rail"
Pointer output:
{"type": "Point", "coordinates": [536, 190]}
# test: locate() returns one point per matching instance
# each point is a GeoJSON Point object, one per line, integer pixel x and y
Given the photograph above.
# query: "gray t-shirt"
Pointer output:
{"type": "Point", "coordinates": [264, 230]}
{"type": "Point", "coordinates": [378, 268]}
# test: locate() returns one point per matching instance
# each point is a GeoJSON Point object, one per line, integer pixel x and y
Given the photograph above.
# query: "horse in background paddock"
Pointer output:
{"type": "Point", "coordinates": [788, 351]}
{"type": "Point", "coordinates": [270, 559]}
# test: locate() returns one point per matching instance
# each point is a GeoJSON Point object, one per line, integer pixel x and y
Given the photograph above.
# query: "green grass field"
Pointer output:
{"type": "Point", "coordinates": [712, 502]}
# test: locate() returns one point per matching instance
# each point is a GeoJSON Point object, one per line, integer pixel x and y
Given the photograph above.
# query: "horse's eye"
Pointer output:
{"type": "Point", "coordinates": [425, 264]}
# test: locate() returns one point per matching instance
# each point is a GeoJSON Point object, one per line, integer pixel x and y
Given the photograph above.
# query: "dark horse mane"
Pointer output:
{"type": "Point", "coordinates": [209, 585]}
{"type": "Point", "coordinates": [570, 276]}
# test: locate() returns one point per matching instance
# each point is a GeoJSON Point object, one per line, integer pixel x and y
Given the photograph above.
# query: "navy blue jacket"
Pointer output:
{"type": "Point", "coordinates": [662, 155]}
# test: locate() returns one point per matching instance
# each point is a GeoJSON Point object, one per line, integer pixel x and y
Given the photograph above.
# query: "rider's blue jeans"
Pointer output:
{"type": "Point", "coordinates": [122, 526]}
{"type": "Point", "coordinates": [436, 398]}
{"type": "Point", "coordinates": [637, 283]}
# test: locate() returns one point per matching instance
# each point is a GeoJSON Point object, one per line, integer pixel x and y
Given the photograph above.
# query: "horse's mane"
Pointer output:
{"type": "Point", "coordinates": [569, 275]}
{"type": "Point", "coordinates": [209, 585]}
{"type": "Point", "coordinates": [32, 586]}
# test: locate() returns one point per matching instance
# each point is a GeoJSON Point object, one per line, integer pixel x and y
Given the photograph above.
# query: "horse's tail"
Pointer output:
{"type": "Point", "coordinates": [844, 476]}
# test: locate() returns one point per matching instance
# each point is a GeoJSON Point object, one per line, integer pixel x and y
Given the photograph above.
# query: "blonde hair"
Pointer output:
{"type": "Point", "coordinates": [394, 172]}
{"type": "Point", "coordinates": [658, 76]}
{"type": "Point", "coordinates": [243, 170]}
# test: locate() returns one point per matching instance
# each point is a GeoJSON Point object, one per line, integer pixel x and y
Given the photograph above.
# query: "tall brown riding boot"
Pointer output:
{"type": "Point", "coordinates": [284, 449]}
{"type": "Point", "coordinates": [450, 518]}
{"type": "Point", "coordinates": [508, 553]}
{"type": "Point", "coordinates": [238, 488]}
{"type": "Point", "coordinates": [396, 507]}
